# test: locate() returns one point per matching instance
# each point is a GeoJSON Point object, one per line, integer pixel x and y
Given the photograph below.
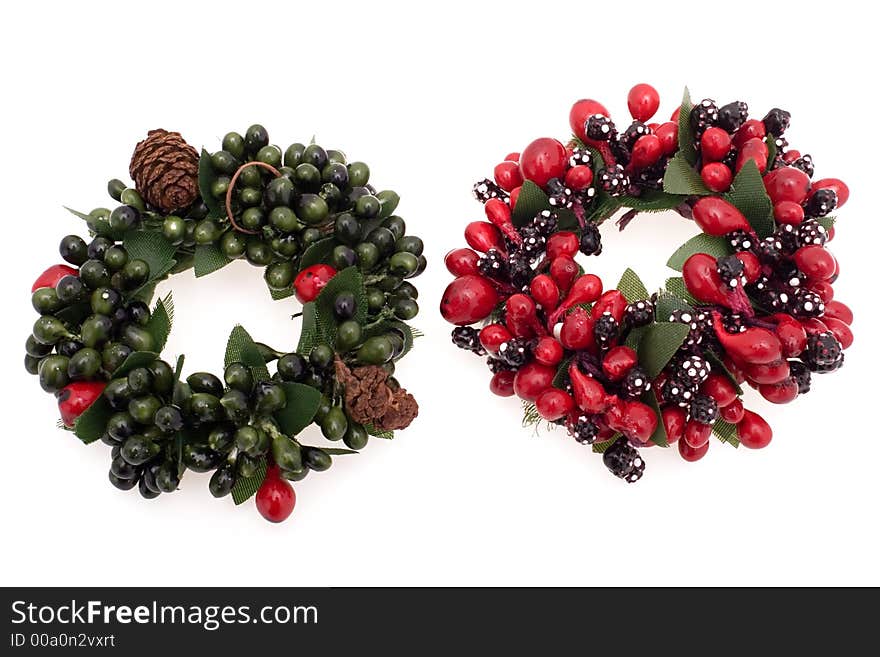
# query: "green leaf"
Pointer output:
{"type": "Point", "coordinates": [134, 360]}
{"type": "Point", "coordinates": [726, 432]}
{"type": "Point", "coordinates": [207, 176]}
{"type": "Point", "coordinates": [659, 436]}
{"type": "Point", "coordinates": [151, 247]}
{"type": "Point", "coordinates": [378, 433]}
{"type": "Point", "coordinates": [682, 178]}
{"type": "Point", "coordinates": [298, 413]}
{"type": "Point", "coordinates": [718, 366]}
{"type": "Point", "coordinates": [145, 292]}
{"type": "Point", "coordinates": [74, 315]}
{"type": "Point", "coordinates": [770, 140]}
{"type": "Point", "coordinates": [567, 219]}
{"type": "Point", "coordinates": [652, 201]}
{"type": "Point", "coordinates": [748, 194]}
{"type": "Point", "coordinates": [601, 448]}
{"type": "Point", "coordinates": [308, 335]}
{"type": "Point", "coordinates": [676, 286]}
{"type": "Point", "coordinates": [659, 345]}
{"type": "Point", "coordinates": [159, 324]}
{"type": "Point", "coordinates": [81, 215]}
{"type": "Point", "coordinates": [241, 348]}
{"type": "Point", "coordinates": [244, 489]}
{"type": "Point", "coordinates": [560, 379]}
{"type": "Point", "coordinates": [317, 252]}
{"type": "Point", "coordinates": [686, 138]}
{"type": "Point", "coordinates": [92, 423]}
{"type": "Point", "coordinates": [347, 280]}
{"type": "Point", "coordinates": [631, 286]}
{"type": "Point", "coordinates": [667, 303]}
{"type": "Point", "coordinates": [208, 259]}
{"type": "Point", "coordinates": [277, 295]}
{"type": "Point", "coordinates": [634, 337]}
{"type": "Point", "coordinates": [827, 222]}
{"type": "Point", "coordinates": [338, 451]}
{"type": "Point", "coordinates": [530, 202]}
{"type": "Point", "coordinates": [702, 243]}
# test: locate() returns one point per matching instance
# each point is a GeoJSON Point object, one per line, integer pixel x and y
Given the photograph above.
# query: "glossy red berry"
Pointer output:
{"type": "Point", "coordinates": [674, 421]}
{"type": "Point", "coordinates": [542, 160]}
{"type": "Point", "coordinates": [492, 336]}
{"type": "Point", "coordinates": [579, 177]}
{"type": "Point", "coordinates": [841, 331]}
{"type": "Point", "coordinates": [512, 157]}
{"type": "Point", "coordinates": [577, 331]}
{"type": "Point", "coordinates": [697, 434]}
{"type": "Point", "coordinates": [564, 270]}
{"type": "Point", "coordinates": [522, 316]}
{"type": "Point", "coordinates": [562, 243]}
{"type": "Point", "coordinates": [717, 217]}
{"type": "Point", "coordinates": [667, 133]}
{"type": "Point", "coordinates": [548, 351]}
{"type": "Point", "coordinates": [532, 379]}
{"type": "Point", "coordinates": [508, 175]}
{"type": "Point", "coordinates": [639, 420]}
{"type": "Point", "coordinates": [825, 290]}
{"type": "Point", "coordinates": [701, 277]}
{"type": "Point", "coordinates": [580, 112]}
{"type": "Point", "coordinates": [642, 102]}
{"type": "Point", "coordinates": [787, 184]}
{"type": "Point", "coordinates": [311, 280]}
{"type": "Point", "coordinates": [717, 176]}
{"type": "Point", "coordinates": [646, 151]}
{"type": "Point", "coordinates": [816, 262]}
{"type": "Point", "coordinates": [461, 262]}
{"type": "Point", "coordinates": [751, 129]}
{"type": "Point", "coordinates": [619, 361]}
{"type": "Point", "coordinates": [791, 334]}
{"type": "Point", "coordinates": [779, 393]}
{"type": "Point", "coordinates": [733, 412]}
{"type": "Point", "coordinates": [53, 274]}
{"type": "Point", "coordinates": [553, 404]}
{"type": "Point", "coordinates": [611, 302]}
{"type": "Point", "coordinates": [691, 454]}
{"type": "Point", "coordinates": [545, 292]}
{"type": "Point", "coordinates": [720, 388]}
{"type": "Point", "coordinates": [751, 265]}
{"type": "Point", "coordinates": [754, 346]}
{"type": "Point", "coordinates": [755, 150]}
{"type": "Point", "coordinates": [502, 383]}
{"type": "Point", "coordinates": [753, 431]}
{"type": "Point", "coordinates": [838, 186]}
{"type": "Point", "coordinates": [514, 196]}
{"type": "Point", "coordinates": [467, 300]}
{"type": "Point", "coordinates": [276, 498]}
{"type": "Point", "coordinates": [76, 397]}
{"type": "Point", "coordinates": [838, 310]}
{"type": "Point", "coordinates": [788, 212]}
{"type": "Point", "coordinates": [482, 236]}
{"type": "Point", "coordinates": [714, 144]}
{"type": "Point", "coordinates": [589, 394]}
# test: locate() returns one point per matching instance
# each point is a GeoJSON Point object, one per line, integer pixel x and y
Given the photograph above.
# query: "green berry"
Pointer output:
{"type": "Point", "coordinates": [279, 275]}
{"type": "Point", "coordinates": [45, 301]}
{"type": "Point", "coordinates": [53, 372]}
{"type": "Point", "coordinates": [232, 244]}
{"type": "Point", "coordinates": [356, 436]}
{"type": "Point", "coordinates": [224, 162]}
{"type": "Point", "coordinates": [84, 364]}
{"type": "Point", "coordinates": [233, 143]}
{"type": "Point", "coordinates": [358, 174]}
{"type": "Point", "coordinates": [133, 198]}
{"type": "Point", "coordinates": [348, 335]}
{"type": "Point", "coordinates": [115, 188]}
{"type": "Point", "coordinates": [270, 155]}
{"type": "Point", "coordinates": [255, 138]}
{"type": "Point", "coordinates": [293, 155]}
{"type": "Point", "coordinates": [144, 408]}
{"type": "Point", "coordinates": [375, 351]}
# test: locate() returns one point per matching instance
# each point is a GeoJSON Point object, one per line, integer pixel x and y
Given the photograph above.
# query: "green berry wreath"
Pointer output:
{"type": "Point", "coordinates": [320, 231]}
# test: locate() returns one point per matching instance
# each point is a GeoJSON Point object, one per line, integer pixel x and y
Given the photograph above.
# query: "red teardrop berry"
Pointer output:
{"type": "Point", "coordinates": [717, 217]}
{"type": "Point", "coordinates": [542, 160]}
{"type": "Point", "coordinates": [697, 434]}
{"type": "Point", "coordinates": [825, 290]}
{"type": "Point", "coordinates": [755, 150]}
{"type": "Point", "coordinates": [754, 346]}
{"type": "Point", "coordinates": [52, 275]}
{"type": "Point", "coordinates": [512, 157]}
{"type": "Point", "coordinates": [580, 112]}
{"type": "Point", "coordinates": [835, 184]}
{"type": "Point", "coordinates": [548, 351]}
{"type": "Point", "coordinates": [791, 156]}
{"type": "Point", "coordinates": [667, 133]}
{"type": "Point", "coordinates": [838, 310]}
{"type": "Point", "coordinates": [492, 336]}
{"type": "Point", "coordinates": [640, 421]}
{"type": "Point", "coordinates": [787, 184]}
{"type": "Point", "coordinates": [585, 289]}
{"type": "Point", "coordinates": [646, 151]}
{"type": "Point", "coordinates": [691, 454]}
{"type": "Point", "coordinates": [779, 393]}
{"type": "Point", "coordinates": [461, 262]}
{"type": "Point", "coordinates": [768, 373]}
{"type": "Point", "coordinates": [751, 265]}
{"type": "Point", "coordinates": [751, 129]}
{"type": "Point", "coordinates": [841, 331]}
{"type": "Point", "coordinates": [579, 177]}
{"type": "Point", "coordinates": [814, 326]}
{"type": "Point", "coordinates": [734, 368]}
{"type": "Point", "coordinates": [311, 280]}
{"type": "Point", "coordinates": [545, 292]}
{"type": "Point", "coordinates": [501, 383]}
{"type": "Point", "coordinates": [482, 236]}
{"type": "Point", "coordinates": [532, 379]}
{"type": "Point", "coordinates": [76, 397]}
{"type": "Point", "coordinates": [701, 278]}
{"type": "Point", "coordinates": [508, 176]}
{"type": "Point", "coordinates": [753, 431]}
{"type": "Point", "coordinates": [642, 102]}
{"type": "Point", "coordinates": [514, 196]}
{"type": "Point", "coordinates": [553, 404]}
{"type": "Point", "coordinates": [498, 213]}
{"type": "Point", "coordinates": [733, 412]}
{"type": "Point", "coordinates": [562, 243]}
{"type": "Point", "coordinates": [676, 113]}
{"type": "Point", "coordinates": [717, 176]}
{"type": "Point", "coordinates": [720, 388]}
{"type": "Point", "coordinates": [788, 212]}
{"type": "Point", "coordinates": [816, 262]}
{"type": "Point", "coordinates": [619, 361]}
{"type": "Point", "coordinates": [563, 270]}
{"type": "Point", "coordinates": [611, 302]}
{"type": "Point", "coordinates": [674, 421]}
{"type": "Point", "coordinates": [577, 331]}
{"type": "Point", "coordinates": [276, 498]}
{"type": "Point", "coordinates": [714, 144]}
{"type": "Point", "coordinates": [468, 299]}
{"type": "Point", "coordinates": [791, 334]}
{"type": "Point", "coordinates": [589, 394]}
{"type": "Point", "coordinates": [522, 316]}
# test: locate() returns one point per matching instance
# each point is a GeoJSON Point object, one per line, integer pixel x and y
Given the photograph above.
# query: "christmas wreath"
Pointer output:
{"type": "Point", "coordinates": [320, 231]}
{"type": "Point", "coordinates": [621, 368]}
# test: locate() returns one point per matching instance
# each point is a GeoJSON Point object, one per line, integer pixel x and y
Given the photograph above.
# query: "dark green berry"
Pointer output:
{"type": "Point", "coordinates": [279, 275]}
{"type": "Point", "coordinates": [84, 364]}
{"type": "Point", "coordinates": [367, 207]}
{"type": "Point", "coordinates": [293, 155]}
{"type": "Point", "coordinates": [358, 174]}
{"type": "Point", "coordinates": [292, 367]}
{"type": "Point", "coordinates": [233, 143]}
{"type": "Point", "coordinates": [138, 449]}
{"type": "Point", "coordinates": [255, 138]}
{"type": "Point", "coordinates": [115, 187]}
{"type": "Point", "coordinates": [286, 453]}
{"type": "Point", "coordinates": [356, 436]}
{"type": "Point", "coordinates": [258, 252]}
{"type": "Point", "coordinates": [124, 218]}
{"type": "Point", "coordinates": [268, 398]}
{"type": "Point", "coordinates": [222, 481]}
{"type": "Point", "coordinates": [53, 372]}
{"type": "Point", "coordinates": [74, 250]}
{"type": "Point", "coordinates": [169, 419]}
{"type": "Point", "coordinates": [45, 300]}
{"type": "Point", "coordinates": [270, 155]}
{"type": "Point", "coordinates": [321, 357]}
{"type": "Point", "coordinates": [200, 458]}
{"type": "Point", "coordinates": [205, 382]}
{"type": "Point", "coordinates": [143, 409]}
{"type": "Point", "coordinates": [335, 424]}
{"type": "Point", "coordinates": [163, 377]}
{"type": "Point", "coordinates": [233, 244]}
{"type": "Point", "coordinates": [375, 351]}
{"type": "Point", "coordinates": [238, 376]}
{"type": "Point", "coordinates": [316, 458]}
{"type": "Point", "coordinates": [94, 274]}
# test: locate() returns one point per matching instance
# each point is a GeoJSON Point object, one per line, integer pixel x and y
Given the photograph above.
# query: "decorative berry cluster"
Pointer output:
{"type": "Point", "coordinates": [623, 369]}
{"type": "Point", "coordinates": [321, 234]}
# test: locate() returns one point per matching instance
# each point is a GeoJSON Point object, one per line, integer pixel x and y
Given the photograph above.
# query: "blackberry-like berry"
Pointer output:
{"type": "Point", "coordinates": [704, 409]}
{"type": "Point", "coordinates": [695, 335]}
{"type": "Point", "coordinates": [651, 177]}
{"type": "Point", "coordinates": [821, 203]}
{"type": "Point", "coordinates": [805, 303]}
{"type": "Point", "coordinates": [799, 372]}
{"type": "Point", "coordinates": [631, 135]}
{"type": "Point", "coordinates": [676, 392]}
{"type": "Point", "coordinates": [585, 197]}
{"type": "Point", "coordinates": [691, 370]}
{"type": "Point", "coordinates": [703, 116]}
{"type": "Point", "coordinates": [519, 268]}
{"type": "Point", "coordinates": [533, 242]}
{"type": "Point", "coordinates": [776, 122]}
{"type": "Point", "coordinates": [623, 460]}
{"type": "Point", "coordinates": [468, 338]}
{"type": "Point", "coordinates": [599, 128]}
{"type": "Point", "coordinates": [605, 330]}
{"type": "Point", "coordinates": [811, 233]}
{"type": "Point", "coordinates": [731, 270]}
{"type": "Point", "coordinates": [769, 249]}
{"type": "Point", "coordinates": [580, 156]}
{"type": "Point", "coordinates": [635, 383]}
{"type": "Point", "coordinates": [493, 264]}
{"type": "Point", "coordinates": [560, 196]}
{"type": "Point", "coordinates": [497, 365]}
{"type": "Point", "coordinates": [787, 235]}
{"type": "Point", "coordinates": [582, 429]}
{"type": "Point", "coordinates": [516, 352]}
{"type": "Point", "coordinates": [639, 313]}
{"type": "Point", "coordinates": [740, 240]}
{"type": "Point", "coordinates": [486, 189]}
{"type": "Point", "coordinates": [591, 240]}
{"type": "Point", "coordinates": [805, 164]}
{"type": "Point", "coordinates": [546, 222]}
{"type": "Point", "coordinates": [823, 351]}
{"type": "Point", "coordinates": [732, 116]}
{"type": "Point", "coordinates": [613, 180]}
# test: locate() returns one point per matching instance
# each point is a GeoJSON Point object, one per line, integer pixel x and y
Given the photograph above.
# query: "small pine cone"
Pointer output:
{"type": "Point", "coordinates": [165, 170]}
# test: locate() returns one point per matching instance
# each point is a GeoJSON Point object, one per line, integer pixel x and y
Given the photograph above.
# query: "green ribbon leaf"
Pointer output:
{"type": "Point", "coordinates": [92, 422]}
{"type": "Point", "coordinates": [76, 213]}
{"type": "Point", "coordinates": [151, 247]}
{"type": "Point", "coordinates": [659, 436]}
{"type": "Point", "coordinates": [827, 222]}
{"type": "Point", "coordinates": [531, 201]}
{"type": "Point", "coordinates": [135, 360]}
{"type": "Point", "coordinates": [338, 451]}
{"type": "Point", "coordinates": [348, 280]}
{"type": "Point", "coordinates": [601, 448]}
{"type": "Point", "coordinates": [208, 258]}
{"type": "Point", "coordinates": [676, 286]}
{"type": "Point", "coordinates": [278, 295]}
{"type": "Point", "coordinates": [378, 433]}
{"type": "Point", "coordinates": [659, 344]}
{"type": "Point", "coordinates": [241, 348]}
{"type": "Point", "coordinates": [726, 432]}
{"type": "Point", "coordinates": [686, 138]}
{"type": "Point", "coordinates": [632, 287]}
{"type": "Point", "coordinates": [634, 337]}
{"type": "Point", "coordinates": [159, 324]}
{"type": "Point", "coordinates": [317, 252]}
{"type": "Point", "coordinates": [682, 178]}
{"type": "Point", "coordinates": [245, 488]}
{"type": "Point", "coordinates": [308, 335]}
{"type": "Point", "coordinates": [748, 194]}
{"type": "Point", "coordinates": [302, 404]}
{"type": "Point", "coordinates": [772, 150]}
{"type": "Point", "coordinates": [207, 177]}
{"type": "Point", "coordinates": [667, 303]}
{"type": "Point", "coordinates": [702, 243]}
{"type": "Point", "coordinates": [652, 201]}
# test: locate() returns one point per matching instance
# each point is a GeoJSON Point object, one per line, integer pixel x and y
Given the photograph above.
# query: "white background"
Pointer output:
{"type": "Point", "coordinates": [432, 97]}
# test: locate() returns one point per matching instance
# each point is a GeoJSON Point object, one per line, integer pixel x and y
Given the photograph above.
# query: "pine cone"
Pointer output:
{"type": "Point", "coordinates": [165, 170]}
{"type": "Point", "coordinates": [370, 400]}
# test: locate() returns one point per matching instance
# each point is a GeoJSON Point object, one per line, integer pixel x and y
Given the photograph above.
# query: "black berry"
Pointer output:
{"type": "Point", "coordinates": [732, 116]}
{"type": "Point", "coordinates": [591, 240]}
{"type": "Point", "coordinates": [704, 409]}
{"type": "Point", "coordinates": [623, 460]}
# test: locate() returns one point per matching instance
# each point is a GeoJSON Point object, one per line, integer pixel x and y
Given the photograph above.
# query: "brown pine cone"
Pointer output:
{"type": "Point", "coordinates": [370, 400]}
{"type": "Point", "coordinates": [165, 170]}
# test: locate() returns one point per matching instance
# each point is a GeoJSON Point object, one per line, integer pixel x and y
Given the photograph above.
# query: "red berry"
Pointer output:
{"type": "Point", "coordinates": [689, 453]}
{"type": "Point", "coordinates": [311, 280]}
{"type": "Point", "coordinates": [562, 243]}
{"type": "Point", "coordinates": [467, 300]}
{"type": "Point", "coordinates": [512, 157]}
{"type": "Point", "coordinates": [717, 176]}
{"type": "Point", "coordinates": [618, 361]}
{"type": "Point", "coordinates": [493, 336]}
{"type": "Point", "coordinates": [639, 421]}
{"type": "Point", "coordinates": [841, 331]}
{"type": "Point", "coordinates": [563, 270]}
{"type": "Point", "coordinates": [52, 275]}
{"type": "Point", "coordinates": [787, 184]}
{"type": "Point", "coordinates": [482, 236]}
{"type": "Point", "coordinates": [838, 310]}
{"type": "Point", "coordinates": [720, 388]}
{"type": "Point", "coordinates": [502, 383]}
{"type": "Point", "coordinates": [275, 499]}
{"type": "Point", "coordinates": [751, 265]}
{"type": "Point", "coordinates": [714, 144]}
{"type": "Point", "coordinates": [522, 316]}
{"type": "Point", "coordinates": [514, 196]}
{"type": "Point", "coordinates": [548, 351]}
{"type": "Point", "coordinates": [667, 133]}
{"type": "Point", "coordinates": [674, 420]}
{"type": "Point", "coordinates": [643, 102]}
{"type": "Point", "coordinates": [791, 334]}
{"type": "Point", "coordinates": [825, 290]}
{"type": "Point", "coordinates": [702, 280]}
{"type": "Point", "coordinates": [788, 212]}
{"type": "Point", "coordinates": [675, 114]}
{"type": "Point", "coordinates": [580, 112]}
{"type": "Point", "coordinates": [791, 156]}
{"type": "Point", "coordinates": [553, 404]}
{"type": "Point", "coordinates": [779, 393]}
{"type": "Point", "coordinates": [835, 184]}
{"type": "Point", "coordinates": [532, 379]}
{"type": "Point", "coordinates": [697, 434]}
{"type": "Point", "coordinates": [76, 397]}
{"type": "Point", "coordinates": [579, 177]}
{"type": "Point", "coordinates": [646, 151]}
{"type": "Point", "coordinates": [754, 346]}
{"type": "Point", "coordinates": [751, 129]}
{"type": "Point", "coordinates": [753, 431]}
{"type": "Point", "coordinates": [611, 302]}
{"type": "Point", "coordinates": [816, 262]}
{"type": "Point", "coordinates": [589, 394]}
{"type": "Point", "coordinates": [577, 331]}
{"type": "Point", "coordinates": [545, 292]}
{"type": "Point", "coordinates": [542, 160]}
{"type": "Point", "coordinates": [508, 176]}
{"type": "Point", "coordinates": [733, 412]}
{"type": "Point", "coordinates": [755, 150]}
{"type": "Point", "coordinates": [814, 326]}
{"type": "Point", "coordinates": [717, 217]}
{"type": "Point", "coordinates": [461, 262]}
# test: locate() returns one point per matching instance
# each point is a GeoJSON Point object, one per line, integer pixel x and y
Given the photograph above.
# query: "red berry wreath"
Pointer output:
{"type": "Point", "coordinates": [621, 368]}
